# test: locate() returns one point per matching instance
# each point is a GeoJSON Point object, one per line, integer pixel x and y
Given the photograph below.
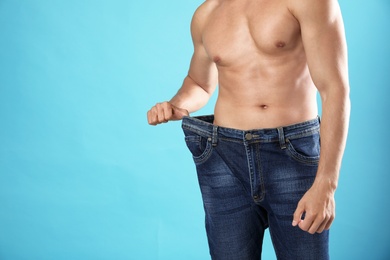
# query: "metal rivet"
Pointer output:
{"type": "Point", "coordinates": [248, 136]}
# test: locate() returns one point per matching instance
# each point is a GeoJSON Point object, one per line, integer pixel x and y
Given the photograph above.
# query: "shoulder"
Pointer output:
{"type": "Point", "coordinates": [314, 9]}
{"type": "Point", "coordinates": [202, 16]}
{"type": "Point", "coordinates": [204, 11]}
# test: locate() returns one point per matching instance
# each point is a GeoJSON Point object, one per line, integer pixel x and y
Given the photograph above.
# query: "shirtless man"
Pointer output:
{"type": "Point", "coordinates": [258, 158]}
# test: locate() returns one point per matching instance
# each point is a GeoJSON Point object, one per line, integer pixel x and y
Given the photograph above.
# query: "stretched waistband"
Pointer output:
{"type": "Point", "coordinates": [203, 125]}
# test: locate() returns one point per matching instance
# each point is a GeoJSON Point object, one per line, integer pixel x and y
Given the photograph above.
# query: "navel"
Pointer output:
{"type": "Point", "coordinates": [264, 106]}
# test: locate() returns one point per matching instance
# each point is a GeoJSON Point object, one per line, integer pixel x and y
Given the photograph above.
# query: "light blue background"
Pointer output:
{"type": "Point", "coordinates": [82, 175]}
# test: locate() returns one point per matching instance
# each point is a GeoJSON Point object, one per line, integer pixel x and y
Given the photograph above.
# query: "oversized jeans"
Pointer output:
{"type": "Point", "coordinates": [252, 180]}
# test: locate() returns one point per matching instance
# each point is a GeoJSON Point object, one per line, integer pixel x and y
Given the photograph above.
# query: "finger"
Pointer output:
{"type": "Point", "coordinates": [316, 225]}
{"type": "Point", "coordinates": [298, 215]}
{"type": "Point", "coordinates": [160, 113]}
{"type": "Point", "coordinates": [148, 117]}
{"type": "Point", "coordinates": [167, 109]}
{"type": "Point", "coordinates": [179, 113]}
{"type": "Point", "coordinates": [153, 116]}
{"type": "Point", "coordinates": [329, 223]}
{"type": "Point", "coordinates": [321, 228]}
{"type": "Point", "coordinates": [306, 223]}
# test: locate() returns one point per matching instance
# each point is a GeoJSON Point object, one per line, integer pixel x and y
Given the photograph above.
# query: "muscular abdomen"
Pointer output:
{"type": "Point", "coordinates": [263, 75]}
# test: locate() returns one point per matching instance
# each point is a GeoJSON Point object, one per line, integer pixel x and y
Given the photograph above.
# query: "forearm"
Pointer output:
{"type": "Point", "coordinates": [334, 129]}
{"type": "Point", "coordinates": [191, 96]}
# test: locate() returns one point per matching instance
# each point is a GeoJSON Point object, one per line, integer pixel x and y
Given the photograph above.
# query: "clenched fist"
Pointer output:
{"type": "Point", "coordinates": [164, 112]}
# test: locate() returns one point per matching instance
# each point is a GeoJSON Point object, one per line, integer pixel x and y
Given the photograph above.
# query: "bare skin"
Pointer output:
{"type": "Point", "coordinates": [269, 58]}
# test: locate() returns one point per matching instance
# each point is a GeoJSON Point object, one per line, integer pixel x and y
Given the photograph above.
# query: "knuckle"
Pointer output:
{"type": "Point", "coordinates": [303, 227]}
{"type": "Point", "coordinates": [168, 115]}
{"type": "Point", "coordinates": [165, 104]}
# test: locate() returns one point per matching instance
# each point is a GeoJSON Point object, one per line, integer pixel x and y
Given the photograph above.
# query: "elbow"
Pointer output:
{"type": "Point", "coordinates": [337, 97]}
{"type": "Point", "coordinates": [207, 87]}
{"type": "Point", "coordinates": [337, 90]}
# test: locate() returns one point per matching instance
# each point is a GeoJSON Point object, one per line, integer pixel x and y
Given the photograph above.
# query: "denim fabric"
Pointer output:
{"type": "Point", "coordinates": [252, 180]}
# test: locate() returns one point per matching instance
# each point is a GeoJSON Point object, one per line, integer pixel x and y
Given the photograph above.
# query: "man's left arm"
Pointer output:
{"type": "Point", "coordinates": [324, 42]}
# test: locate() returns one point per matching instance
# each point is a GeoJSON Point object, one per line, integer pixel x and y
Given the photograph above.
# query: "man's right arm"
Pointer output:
{"type": "Point", "coordinates": [198, 85]}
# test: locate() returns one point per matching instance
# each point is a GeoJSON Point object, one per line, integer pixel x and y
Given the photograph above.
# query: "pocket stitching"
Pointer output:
{"type": "Point", "coordinates": [311, 160]}
{"type": "Point", "coordinates": [207, 151]}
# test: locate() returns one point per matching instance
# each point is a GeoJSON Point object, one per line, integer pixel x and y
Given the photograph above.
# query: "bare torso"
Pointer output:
{"type": "Point", "coordinates": [264, 80]}
{"type": "Point", "coordinates": [260, 52]}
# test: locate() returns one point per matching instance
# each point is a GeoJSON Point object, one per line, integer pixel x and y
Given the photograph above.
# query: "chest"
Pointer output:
{"type": "Point", "coordinates": [240, 29]}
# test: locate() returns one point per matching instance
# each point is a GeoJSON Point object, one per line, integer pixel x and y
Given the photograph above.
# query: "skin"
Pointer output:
{"type": "Point", "coordinates": [269, 58]}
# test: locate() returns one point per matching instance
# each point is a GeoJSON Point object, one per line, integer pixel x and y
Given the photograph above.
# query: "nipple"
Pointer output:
{"type": "Point", "coordinates": [280, 44]}
{"type": "Point", "coordinates": [216, 59]}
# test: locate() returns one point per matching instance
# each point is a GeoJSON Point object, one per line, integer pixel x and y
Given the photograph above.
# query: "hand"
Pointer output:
{"type": "Point", "coordinates": [318, 204]}
{"type": "Point", "coordinates": [164, 112]}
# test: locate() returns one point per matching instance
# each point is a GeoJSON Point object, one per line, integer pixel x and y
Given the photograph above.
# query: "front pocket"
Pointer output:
{"type": "Point", "coordinates": [305, 149]}
{"type": "Point", "coordinates": [199, 146]}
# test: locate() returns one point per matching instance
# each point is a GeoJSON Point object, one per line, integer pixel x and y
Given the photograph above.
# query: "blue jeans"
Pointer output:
{"type": "Point", "coordinates": [252, 180]}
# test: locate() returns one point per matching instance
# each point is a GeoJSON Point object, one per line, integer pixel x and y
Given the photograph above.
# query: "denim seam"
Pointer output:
{"type": "Point", "coordinates": [192, 138]}
{"type": "Point", "coordinates": [250, 168]}
{"type": "Point", "coordinates": [291, 136]}
{"type": "Point", "coordinates": [272, 140]}
{"type": "Point", "coordinates": [253, 141]}
{"type": "Point", "coordinates": [259, 170]}
{"type": "Point", "coordinates": [305, 133]}
{"type": "Point", "coordinates": [197, 131]}
{"type": "Point", "coordinates": [205, 155]}
{"type": "Point", "coordinates": [309, 160]}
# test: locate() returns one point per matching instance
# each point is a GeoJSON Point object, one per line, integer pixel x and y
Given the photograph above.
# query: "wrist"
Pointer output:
{"type": "Point", "coordinates": [326, 182]}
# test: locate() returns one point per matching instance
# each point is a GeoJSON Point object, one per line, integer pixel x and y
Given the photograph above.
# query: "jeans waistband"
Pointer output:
{"type": "Point", "coordinates": [203, 125]}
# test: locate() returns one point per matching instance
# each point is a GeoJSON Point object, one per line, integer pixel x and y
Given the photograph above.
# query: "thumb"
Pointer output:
{"type": "Point", "coordinates": [178, 113]}
{"type": "Point", "coordinates": [298, 214]}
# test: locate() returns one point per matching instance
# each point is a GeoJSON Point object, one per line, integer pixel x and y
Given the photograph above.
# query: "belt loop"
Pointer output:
{"type": "Point", "coordinates": [282, 141]}
{"type": "Point", "coordinates": [214, 139]}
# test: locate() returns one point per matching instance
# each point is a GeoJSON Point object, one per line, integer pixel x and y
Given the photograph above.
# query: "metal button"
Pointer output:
{"type": "Point", "coordinates": [248, 136]}
{"type": "Point", "coordinates": [255, 197]}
